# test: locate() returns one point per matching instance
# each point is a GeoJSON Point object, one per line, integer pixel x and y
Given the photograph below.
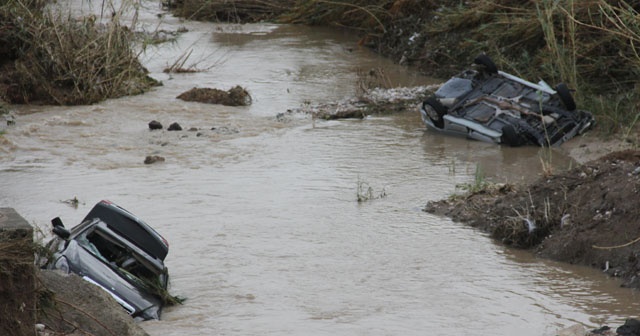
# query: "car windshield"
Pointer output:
{"type": "Point", "coordinates": [120, 258]}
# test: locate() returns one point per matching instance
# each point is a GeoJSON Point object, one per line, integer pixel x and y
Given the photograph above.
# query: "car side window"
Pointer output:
{"type": "Point", "coordinates": [117, 255]}
{"type": "Point", "coordinates": [85, 242]}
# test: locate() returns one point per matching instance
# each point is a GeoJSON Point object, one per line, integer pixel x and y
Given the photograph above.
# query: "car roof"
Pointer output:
{"type": "Point", "coordinates": [129, 226]}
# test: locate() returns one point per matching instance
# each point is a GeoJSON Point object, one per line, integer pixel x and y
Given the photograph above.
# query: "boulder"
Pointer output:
{"type": "Point", "coordinates": [72, 306]}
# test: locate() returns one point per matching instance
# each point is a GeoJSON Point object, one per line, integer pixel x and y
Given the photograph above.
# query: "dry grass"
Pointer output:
{"type": "Point", "coordinates": [563, 41]}
{"type": "Point", "coordinates": [230, 11]}
{"type": "Point", "coordinates": [62, 60]}
{"type": "Point", "coordinates": [372, 79]}
{"type": "Point", "coordinates": [590, 45]}
{"type": "Point", "coordinates": [529, 223]}
{"type": "Point", "coordinates": [362, 15]}
{"type": "Point", "coordinates": [16, 282]}
{"type": "Point", "coordinates": [365, 192]}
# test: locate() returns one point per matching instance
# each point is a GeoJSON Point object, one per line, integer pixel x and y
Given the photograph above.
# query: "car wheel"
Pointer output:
{"type": "Point", "coordinates": [435, 111]}
{"type": "Point", "coordinates": [565, 96]}
{"type": "Point", "coordinates": [487, 62]}
{"type": "Point", "coordinates": [510, 136]}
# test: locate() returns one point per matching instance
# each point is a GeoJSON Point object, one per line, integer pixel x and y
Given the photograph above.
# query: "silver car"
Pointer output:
{"type": "Point", "coordinates": [118, 252]}
{"type": "Point", "coordinates": [493, 106]}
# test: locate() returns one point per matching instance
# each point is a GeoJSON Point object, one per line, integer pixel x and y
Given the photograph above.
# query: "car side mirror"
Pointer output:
{"type": "Point", "coordinates": [61, 232]}
{"type": "Point", "coordinates": [57, 222]}
{"type": "Point", "coordinates": [59, 229]}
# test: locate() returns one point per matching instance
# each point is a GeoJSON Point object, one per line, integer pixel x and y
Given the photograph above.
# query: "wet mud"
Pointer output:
{"type": "Point", "coordinates": [582, 216]}
{"type": "Point", "coordinates": [236, 96]}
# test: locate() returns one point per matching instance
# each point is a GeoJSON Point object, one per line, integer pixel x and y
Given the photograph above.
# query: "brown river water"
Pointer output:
{"type": "Point", "coordinates": [266, 234]}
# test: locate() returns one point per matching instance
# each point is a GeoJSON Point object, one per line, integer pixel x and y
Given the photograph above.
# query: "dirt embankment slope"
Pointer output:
{"type": "Point", "coordinates": [589, 215]}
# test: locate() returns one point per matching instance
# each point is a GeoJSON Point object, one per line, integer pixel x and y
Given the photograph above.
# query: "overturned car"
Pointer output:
{"type": "Point", "coordinates": [493, 106]}
{"type": "Point", "coordinates": [118, 252]}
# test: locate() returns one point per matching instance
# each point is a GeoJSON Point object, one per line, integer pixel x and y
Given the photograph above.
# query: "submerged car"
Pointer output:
{"type": "Point", "coordinates": [490, 105]}
{"type": "Point", "coordinates": [120, 253]}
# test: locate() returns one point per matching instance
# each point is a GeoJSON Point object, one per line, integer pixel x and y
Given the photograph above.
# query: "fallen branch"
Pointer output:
{"type": "Point", "coordinates": [617, 246]}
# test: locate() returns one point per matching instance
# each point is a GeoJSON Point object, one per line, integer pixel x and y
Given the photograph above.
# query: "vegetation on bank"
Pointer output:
{"type": "Point", "coordinates": [49, 57]}
{"type": "Point", "coordinates": [592, 46]}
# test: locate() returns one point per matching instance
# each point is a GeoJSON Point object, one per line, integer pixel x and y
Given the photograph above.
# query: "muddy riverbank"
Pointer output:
{"type": "Point", "coordinates": [284, 248]}
{"type": "Point", "coordinates": [586, 215]}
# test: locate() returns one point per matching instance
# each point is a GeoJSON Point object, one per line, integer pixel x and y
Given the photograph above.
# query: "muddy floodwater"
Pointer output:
{"type": "Point", "coordinates": [266, 234]}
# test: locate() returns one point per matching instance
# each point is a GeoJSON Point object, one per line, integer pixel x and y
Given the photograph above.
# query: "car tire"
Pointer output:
{"type": "Point", "coordinates": [487, 62]}
{"type": "Point", "coordinates": [437, 107]}
{"type": "Point", "coordinates": [510, 136]}
{"type": "Point", "coordinates": [565, 96]}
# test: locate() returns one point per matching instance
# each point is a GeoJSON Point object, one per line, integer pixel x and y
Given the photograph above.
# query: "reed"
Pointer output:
{"type": "Point", "coordinates": [230, 11]}
{"type": "Point", "coordinates": [360, 15]}
{"type": "Point", "coordinates": [560, 37]}
{"type": "Point", "coordinates": [64, 60]}
{"type": "Point", "coordinates": [592, 46]}
{"type": "Point", "coordinates": [365, 192]}
{"type": "Point", "coordinates": [616, 113]}
{"type": "Point", "coordinates": [480, 183]}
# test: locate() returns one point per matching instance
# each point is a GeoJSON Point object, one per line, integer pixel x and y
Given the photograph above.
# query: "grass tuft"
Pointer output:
{"type": "Point", "coordinates": [62, 60]}
{"type": "Point", "coordinates": [366, 193]}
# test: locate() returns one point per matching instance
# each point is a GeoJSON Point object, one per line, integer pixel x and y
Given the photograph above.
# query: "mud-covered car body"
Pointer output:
{"type": "Point", "coordinates": [493, 106]}
{"type": "Point", "coordinates": [118, 252]}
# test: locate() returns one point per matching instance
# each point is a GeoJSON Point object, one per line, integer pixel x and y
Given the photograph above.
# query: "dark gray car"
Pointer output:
{"type": "Point", "coordinates": [494, 106]}
{"type": "Point", "coordinates": [118, 252]}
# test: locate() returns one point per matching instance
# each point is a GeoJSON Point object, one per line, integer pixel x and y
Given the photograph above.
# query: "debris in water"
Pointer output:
{"type": "Point", "coordinates": [72, 202]}
{"type": "Point", "coordinates": [531, 224]}
{"type": "Point", "coordinates": [153, 159]}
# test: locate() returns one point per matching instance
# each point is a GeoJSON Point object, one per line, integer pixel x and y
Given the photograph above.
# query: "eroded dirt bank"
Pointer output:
{"type": "Point", "coordinates": [587, 215]}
